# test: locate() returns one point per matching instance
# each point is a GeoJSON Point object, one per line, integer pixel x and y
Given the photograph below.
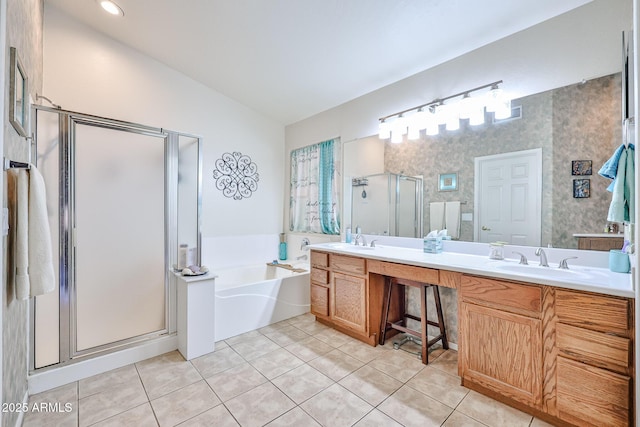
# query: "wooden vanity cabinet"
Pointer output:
{"type": "Point", "coordinates": [501, 336]}
{"type": "Point", "coordinates": [563, 355]}
{"type": "Point", "coordinates": [320, 286]}
{"type": "Point", "coordinates": [594, 364]}
{"type": "Point", "coordinates": [339, 293]}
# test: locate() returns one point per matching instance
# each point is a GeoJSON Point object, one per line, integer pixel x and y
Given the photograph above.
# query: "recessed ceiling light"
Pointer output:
{"type": "Point", "coordinates": [111, 7]}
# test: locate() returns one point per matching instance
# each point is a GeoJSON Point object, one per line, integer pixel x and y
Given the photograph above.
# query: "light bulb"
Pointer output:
{"type": "Point", "coordinates": [432, 123]}
{"type": "Point", "coordinates": [396, 136]}
{"type": "Point", "coordinates": [493, 98]}
{"type": "Point", "coordinates": [477, 115]}
{"type": "Point", "coordinates": [441, 114]}
{"type": "Point", "coordinates": [503, 110]}
{"type": "Point", "coordinates": [384, 130]}
{"type": "Point", "coordinates": [111, 7]}
{"type": "Point", "coordinates": [453, 117]}
{"type": "Point", "coordinates": [466, 106]}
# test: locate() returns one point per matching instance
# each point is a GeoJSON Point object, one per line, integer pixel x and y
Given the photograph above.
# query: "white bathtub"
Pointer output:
{"type": "Point", "coordinates": [252, 297]}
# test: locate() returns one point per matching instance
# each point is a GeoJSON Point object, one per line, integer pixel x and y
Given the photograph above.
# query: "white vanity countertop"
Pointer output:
{"type": "Point", "coordinates": [582, 278]}
{"type": "Point", "coordinates": [619, 235]}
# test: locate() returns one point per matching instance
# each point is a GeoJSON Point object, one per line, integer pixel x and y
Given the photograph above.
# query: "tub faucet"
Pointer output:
{"type": "Point", "coordinates": [358, 237]}
{"type": "Point", "coordinates": [304, 244]}
{"type": "Point", "coordinates": [302, 257]}
{"type": "Point", "coordinates": [543, 257]}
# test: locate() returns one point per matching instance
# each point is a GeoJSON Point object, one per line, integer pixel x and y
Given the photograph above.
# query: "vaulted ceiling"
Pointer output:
{"type": "Point", "coordinates": [291, 59]}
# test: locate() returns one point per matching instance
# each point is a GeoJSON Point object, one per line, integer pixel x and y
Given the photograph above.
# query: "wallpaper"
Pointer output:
{"type": "Point", "coordinates": [24, 31]}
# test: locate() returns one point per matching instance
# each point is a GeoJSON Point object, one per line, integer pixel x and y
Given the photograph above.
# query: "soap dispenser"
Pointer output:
{"type": "Point", "coordinates": [282, 253]}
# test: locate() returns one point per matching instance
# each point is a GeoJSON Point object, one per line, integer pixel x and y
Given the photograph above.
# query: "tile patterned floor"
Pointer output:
{"type": "Point", "coordinates": [293, 373]}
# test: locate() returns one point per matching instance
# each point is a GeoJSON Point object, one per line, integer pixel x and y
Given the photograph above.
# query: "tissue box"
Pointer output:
{"type": "Point", "coordinates": [433, 245]}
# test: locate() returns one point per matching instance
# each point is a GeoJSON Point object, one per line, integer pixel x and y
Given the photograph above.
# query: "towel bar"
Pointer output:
{"type": "Point", "coordinates": [10, 164]}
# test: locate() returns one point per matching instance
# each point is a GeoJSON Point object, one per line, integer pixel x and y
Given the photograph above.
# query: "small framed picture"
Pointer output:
{"type": "Point", "coordinates": [581, 167]}
{"type": "Point", "coordinates": [448, 182]}
{"type": "Point", "coordinates": [581, 188]}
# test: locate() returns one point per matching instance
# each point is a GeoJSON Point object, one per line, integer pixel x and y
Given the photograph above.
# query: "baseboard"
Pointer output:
{"type": "Point", "coordinates": [56, 377]}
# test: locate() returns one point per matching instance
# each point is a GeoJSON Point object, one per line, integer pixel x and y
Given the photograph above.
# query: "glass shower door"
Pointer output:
{"type": "Point", "coordinates": [118, 238]}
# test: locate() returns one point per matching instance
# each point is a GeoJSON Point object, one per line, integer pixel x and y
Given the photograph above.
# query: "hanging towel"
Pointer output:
{"type": "Point", "coordinates": [41, 273]}
{"type": "Point", "coordinates": [452, 219]}
{"type": "Point", "coordinates": [622, 208]}
{"type": "Point", "coordinates": [610, 167]}
{"type": "Point", "coordinates": [22, 234]}
{"type": "Point", "coordinates": [436, 216]}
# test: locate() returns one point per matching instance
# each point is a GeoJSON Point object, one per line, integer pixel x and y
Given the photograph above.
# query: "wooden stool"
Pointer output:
{"type": "Point", "coordinates": [400, 325]}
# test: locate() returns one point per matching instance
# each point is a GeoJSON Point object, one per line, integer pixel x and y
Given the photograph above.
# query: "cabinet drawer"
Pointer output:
{"type": "Point", "coordinates": [592, 311]}
{"type": "Point", "coordinates": [319, 276]}
{"type": "Point", "coordinates": [592, 396]}
{"type": "Point", "coordinates": [320, 259]}
{"type": "Point", "coordinates": [348, 264]}
{"type": "Point", "coordinates": [401, 271]}
{"type": "Point", "coordinates": [319, 300]}
{"type": "Point", "coordinates": [596, 348]}
{"type": "Point", "coordinates": [499, 293]}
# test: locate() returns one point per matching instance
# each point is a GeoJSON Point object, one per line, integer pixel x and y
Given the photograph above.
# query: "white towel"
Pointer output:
{"type": "Point", "coordinates": [41, 273]}
{"type": "Point", "coordinates": [452, 219]}
{"type": "Point", "coordinates": [436, 216]}
{"type": "Point", "coordinates": [22, 235]}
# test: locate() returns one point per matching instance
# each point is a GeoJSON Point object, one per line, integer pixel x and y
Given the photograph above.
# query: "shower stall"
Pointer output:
{"type": "Point", "coordinates": [121, 197]}
{"type": "Point", "coordinates": [387, 204]}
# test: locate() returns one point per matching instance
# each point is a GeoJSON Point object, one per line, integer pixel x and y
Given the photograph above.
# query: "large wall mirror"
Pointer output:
{"type": "Point", "coordinates": [576, 122]}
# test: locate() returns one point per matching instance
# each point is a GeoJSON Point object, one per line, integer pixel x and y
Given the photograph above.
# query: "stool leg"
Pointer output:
{"type": "Point", "coordinates": [424, 324]}
{"type": "Point", "coordinates": [443, 331]}
{"type": "Point", "coordinates": [385, 310]}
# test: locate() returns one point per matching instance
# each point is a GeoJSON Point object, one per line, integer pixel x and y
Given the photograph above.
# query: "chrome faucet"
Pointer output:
{"type": "Point", "coordinates": [563, 264]}
{"type": "Point", "coordinates": [358, 237]}
{"type": "Point", "coordinates": [523, 258]}
{"type": "Point", "coordinates": [543, 257]}
{"type": "Point", "coordinates": [304, 244]}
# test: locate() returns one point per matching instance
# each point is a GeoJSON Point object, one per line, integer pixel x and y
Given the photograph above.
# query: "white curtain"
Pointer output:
{"type": "Point", "coordinates": [315, 188]}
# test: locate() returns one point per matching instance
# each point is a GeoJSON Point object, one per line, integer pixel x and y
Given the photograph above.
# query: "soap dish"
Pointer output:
{"type": "Point", "coordinates": [194, 270]}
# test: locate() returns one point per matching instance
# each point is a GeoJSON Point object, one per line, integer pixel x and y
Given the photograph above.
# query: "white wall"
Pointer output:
{"type": "Point", "coordinates": [87, 72]}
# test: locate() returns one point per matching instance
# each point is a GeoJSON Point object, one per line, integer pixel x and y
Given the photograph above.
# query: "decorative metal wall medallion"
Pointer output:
{"type": "Point", "coordinates": [236, 175]}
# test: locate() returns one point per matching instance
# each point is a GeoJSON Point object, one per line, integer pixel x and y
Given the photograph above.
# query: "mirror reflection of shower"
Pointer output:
{"type": "Point", "coordinates": [387, 204]}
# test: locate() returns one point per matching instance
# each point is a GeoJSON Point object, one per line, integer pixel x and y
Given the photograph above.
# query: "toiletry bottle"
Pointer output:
{"type": "Point", "coordinates": [282, 253]}
{"type": "Point", "coordinates": [183, 250]}
{"type": "Point", "coordinates": [347, 235]}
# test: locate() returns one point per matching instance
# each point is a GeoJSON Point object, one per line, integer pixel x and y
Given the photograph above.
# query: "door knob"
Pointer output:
{"type": "Point", "coordinates": [485, 228]}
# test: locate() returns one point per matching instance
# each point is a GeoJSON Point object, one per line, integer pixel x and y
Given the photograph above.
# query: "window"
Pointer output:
{"type": "Point", "coordinates": [315, 188]}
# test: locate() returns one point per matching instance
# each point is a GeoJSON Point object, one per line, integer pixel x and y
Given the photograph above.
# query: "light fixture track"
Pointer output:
{"type": "Point", "coordinates": [440, 100]}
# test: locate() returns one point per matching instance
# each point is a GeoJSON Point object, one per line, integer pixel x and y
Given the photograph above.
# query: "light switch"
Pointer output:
{"type": "Point", "coordinates": [466, 216]}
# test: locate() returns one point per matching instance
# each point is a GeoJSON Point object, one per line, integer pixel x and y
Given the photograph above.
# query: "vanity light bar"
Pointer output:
{"type": "Point", "coordinates": [432, 114]}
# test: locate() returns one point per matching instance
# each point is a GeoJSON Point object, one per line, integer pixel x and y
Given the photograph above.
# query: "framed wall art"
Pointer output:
{"type": "Point", "coordinates": [448, 182]}
{"type": "Point", "coordinates": [18, 93]}
{"type": "Point", "coordinates": [581, 167]}
{"type": "Point", "coordinates": [581, 188]}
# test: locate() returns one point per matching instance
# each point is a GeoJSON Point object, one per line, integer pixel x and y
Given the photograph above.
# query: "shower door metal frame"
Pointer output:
{"type": "Point", "coordinates": [68, 120]}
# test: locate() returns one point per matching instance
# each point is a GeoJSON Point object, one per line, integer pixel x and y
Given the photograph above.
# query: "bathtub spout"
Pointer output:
{"type": "Point", "coordinates": [302, 257]}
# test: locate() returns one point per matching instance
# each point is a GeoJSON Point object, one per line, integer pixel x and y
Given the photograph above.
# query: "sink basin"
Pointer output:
{"type": "Point", "coordinates": [549, 272]}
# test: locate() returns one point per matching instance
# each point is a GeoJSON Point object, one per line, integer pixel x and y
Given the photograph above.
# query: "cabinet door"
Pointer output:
{"type": "Point", "coordinates": [348, 302]}
{"type": "Point", "coordinates": [503, 352]}
{"type": "Point", "coordinates": [590, 396]}
{"type": "Point", "coordinates": [319, 300]}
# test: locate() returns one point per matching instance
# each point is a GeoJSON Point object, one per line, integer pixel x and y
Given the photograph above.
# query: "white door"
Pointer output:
{"type": "Point", "coordinates": [508, 198]}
